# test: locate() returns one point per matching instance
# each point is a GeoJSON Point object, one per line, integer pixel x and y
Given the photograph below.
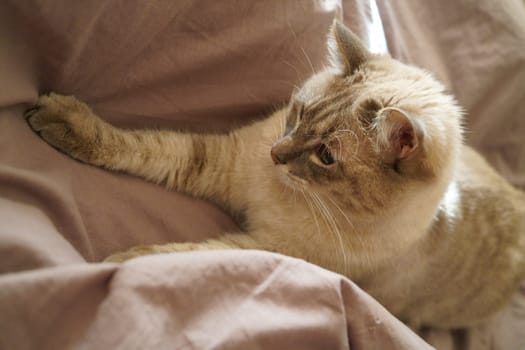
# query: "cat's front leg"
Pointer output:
{"type": "Point", "coordinates": [199, 164]}
{"type": "Point", "coordinates": [227, 241]}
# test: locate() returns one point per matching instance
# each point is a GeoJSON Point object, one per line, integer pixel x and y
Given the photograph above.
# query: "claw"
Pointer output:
{"type": "Point", "coordinates": [29, 112]}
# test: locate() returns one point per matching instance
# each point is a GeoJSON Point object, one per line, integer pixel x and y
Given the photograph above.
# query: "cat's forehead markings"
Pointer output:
{"type": "Point", "coordinates": [315, 87]}
{"type": "Point", "coordinates": [307, 96]}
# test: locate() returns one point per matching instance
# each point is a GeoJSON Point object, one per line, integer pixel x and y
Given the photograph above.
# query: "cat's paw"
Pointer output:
{"type": "Point", "coordinates": [66, 124]}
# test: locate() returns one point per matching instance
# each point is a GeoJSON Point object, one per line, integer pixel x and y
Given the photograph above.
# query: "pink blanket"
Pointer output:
{"type": "Point", "coordinates": [198, 300]}
{"type": "Point", "coordinates": [206, 66]}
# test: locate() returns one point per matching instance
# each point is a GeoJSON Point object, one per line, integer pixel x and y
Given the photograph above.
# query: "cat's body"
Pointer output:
{"type": "Point", "coordinates": [471, 259]}
{"type": "Point", "coordinates": [370, 179]}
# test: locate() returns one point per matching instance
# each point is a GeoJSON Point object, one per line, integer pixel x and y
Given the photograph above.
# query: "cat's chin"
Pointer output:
{"type": "Point", "coordinates": [289, 179]}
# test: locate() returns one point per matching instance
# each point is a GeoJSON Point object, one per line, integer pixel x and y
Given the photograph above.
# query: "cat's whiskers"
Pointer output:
{"type": "Point", "coordinates": [354, 231]}
{"type": "Point", "coordinates": [339, 153]}
{"type": "Point", "coordinates": [336, 230]}
{"type": "Point", "coordinates": [302, 49]}
{"type": "Point", "coordinates": [294, 190]}
{"type": "Point", "coordinates": [317, 207]}
{"type": "Point", "coordinates": [308, 59]}
{"type": "Point", "coordinates": [312, 209]}
{"type": "Point", "coordinates": [332, 225]}
{"type": "Point", "coordinates": [296, 88]}
{"type": "Point", "coordinates": [292, 66]}
{"type": "Point", "coordinates": [341, 211]}
{"type": "Point", "coordinates": [353, 134]}
{"type": "Point", "coordinates": [321, 211]}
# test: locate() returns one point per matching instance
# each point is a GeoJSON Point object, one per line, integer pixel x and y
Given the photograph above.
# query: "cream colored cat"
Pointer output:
{"type": "Point", "coordinates": [364, 173]}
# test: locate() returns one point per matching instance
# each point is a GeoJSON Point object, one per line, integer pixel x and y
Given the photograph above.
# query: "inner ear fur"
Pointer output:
{"type": "Point", "coordinates": [399, 135]}
{"type": "Point", "coordinates": [347, 51]}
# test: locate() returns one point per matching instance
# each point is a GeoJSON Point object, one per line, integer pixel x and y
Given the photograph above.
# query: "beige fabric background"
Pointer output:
{"type": "Point", "coordinates": [204, 65]}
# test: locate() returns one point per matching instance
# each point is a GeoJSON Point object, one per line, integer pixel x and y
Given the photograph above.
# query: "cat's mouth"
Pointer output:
{"type": "Point", "coordinates": [290, 179]}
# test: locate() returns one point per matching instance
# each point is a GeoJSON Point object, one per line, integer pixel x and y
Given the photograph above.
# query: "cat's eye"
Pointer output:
{"type": "Point", "coordinates": [324, 155]}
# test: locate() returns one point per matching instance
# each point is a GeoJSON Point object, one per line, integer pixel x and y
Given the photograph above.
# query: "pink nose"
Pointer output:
{"type": "Point", "coordinates": [275, 158]}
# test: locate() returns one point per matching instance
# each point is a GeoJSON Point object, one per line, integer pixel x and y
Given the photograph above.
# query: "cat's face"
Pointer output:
{"type": "Point", "coordinates": [360, 132]}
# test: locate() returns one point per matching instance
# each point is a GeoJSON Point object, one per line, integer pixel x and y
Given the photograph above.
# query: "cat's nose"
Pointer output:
{"type": "Point", "coordinates": [275, 158]}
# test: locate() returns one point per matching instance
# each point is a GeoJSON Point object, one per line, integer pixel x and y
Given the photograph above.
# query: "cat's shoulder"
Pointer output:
{"type": "Point", "coordinates": [476, 175]}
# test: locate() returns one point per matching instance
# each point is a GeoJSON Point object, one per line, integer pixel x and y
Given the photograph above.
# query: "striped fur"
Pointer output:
{"type": "Point", "coordinates": [437, 236]}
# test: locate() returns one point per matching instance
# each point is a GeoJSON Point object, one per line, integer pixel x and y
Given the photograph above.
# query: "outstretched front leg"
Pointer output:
{"type": "Point", "coordinates": [198, 164]}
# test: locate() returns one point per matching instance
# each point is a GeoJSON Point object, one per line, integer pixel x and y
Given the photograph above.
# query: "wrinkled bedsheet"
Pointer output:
{"type": "Point", "coordinates": [210, 66]}
{"type": "Point", "coordinates": [224, 300]}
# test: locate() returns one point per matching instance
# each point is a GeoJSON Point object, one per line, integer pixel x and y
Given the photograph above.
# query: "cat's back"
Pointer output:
{"type": "Point", "coordinates": [484, 226]}
{"type": "Point", "coordinates": [482, 187]}
{"type": "Point", "coordinates": [490, 215]}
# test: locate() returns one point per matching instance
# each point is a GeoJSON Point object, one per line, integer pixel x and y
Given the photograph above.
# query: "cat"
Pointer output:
{"type": "Point", "coordinates": [364, 173]}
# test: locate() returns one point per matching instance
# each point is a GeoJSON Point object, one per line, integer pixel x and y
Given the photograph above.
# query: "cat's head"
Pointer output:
{"type": "Point", "coordinates": [367, 129]}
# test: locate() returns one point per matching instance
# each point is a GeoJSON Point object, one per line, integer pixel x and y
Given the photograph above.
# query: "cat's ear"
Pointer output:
{"type": "Point", "coordinates": [399, 136]}
{"type": "Point", "coordinates": [346, 50]}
